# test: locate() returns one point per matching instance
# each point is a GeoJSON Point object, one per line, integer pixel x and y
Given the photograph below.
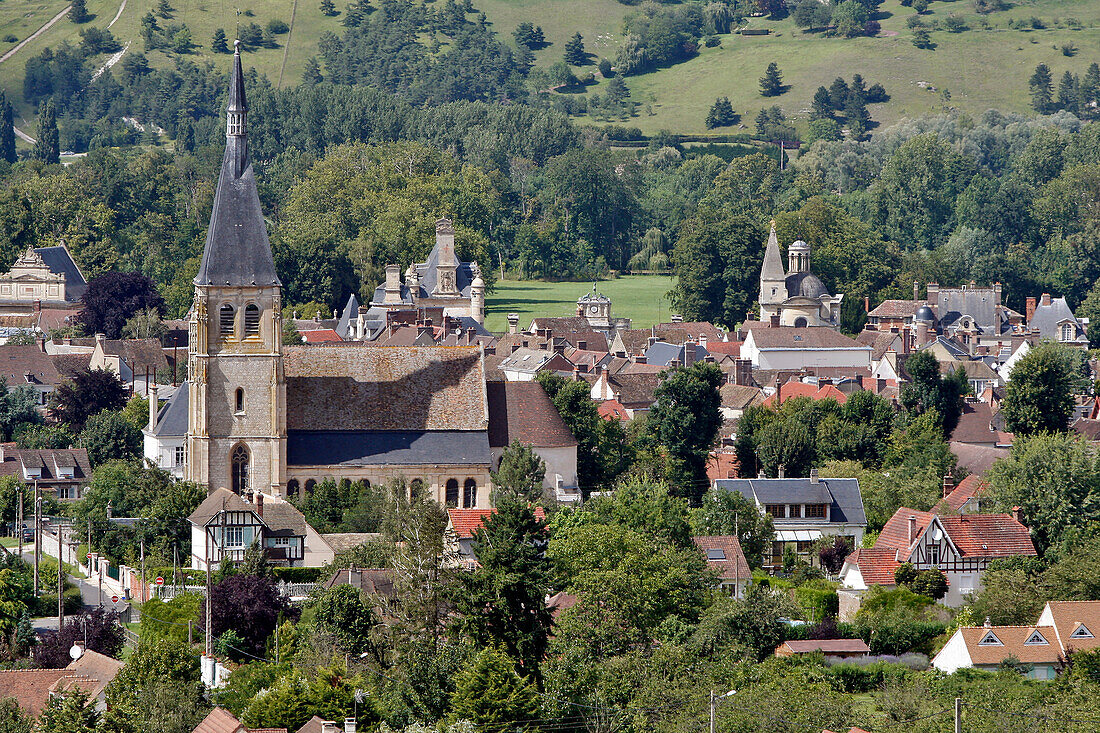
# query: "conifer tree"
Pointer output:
{"type": "Point", "coordinates": [353, 16]}
{"type": "Point", "coordinates": [1042, 89]}
{"type": "Point", "coordinates": [312, 73]}
{"type": "Point", "coordinates": [48, 146]}
{"type": "Point", "coordinates": [574, 51]}
{"type": "Point", "coordinates": [328, 8]}
{"type": "Point", "coordinates": [185, 135]}
{"type": "Point", "coordinates": [1090, 86]}
{"type": "Point", "coordinates": [1068, 93]}
{"type": "Point", "coordinates": [771, 84]}
{"type": "Point", "coordinates": [7, 130]}
{"type": "Point", "coordinates": [822, 106]}
{"type": "Point", "coordinates": [838, 93]}
{"type": "Point", "coordinates": [721, 114]}
{"type": "Point", "coordinates": [220, 44]}
{"type": "Point", "coordinates": [489, 694]}
{"type": "Point", "coordinates": [78, 11]}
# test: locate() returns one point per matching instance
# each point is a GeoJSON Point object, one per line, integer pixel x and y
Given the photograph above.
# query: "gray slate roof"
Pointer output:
{"type": "Point", "coordinates": [237, 251]}
{"type": "Point", "coordinates": [842, 494]}
{"type": "Point", "coordinates": [61, 262]}
{"type": "Point", "coordinates": [376, 447]}
{"type": "Point", "coordinates": [662, 354]}
{"type": "Point", "coordinates": [1047, 320]}
{"type": "Point", "coordinates": [351, 312]}
{"type": "Point", "coordinates": [172, 418]}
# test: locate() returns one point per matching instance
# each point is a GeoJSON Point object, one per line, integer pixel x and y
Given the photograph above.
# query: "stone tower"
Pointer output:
{"type": "Point", "coordinates": [236, 431]}
{"type": "Point", "coordinates": [773, 285]}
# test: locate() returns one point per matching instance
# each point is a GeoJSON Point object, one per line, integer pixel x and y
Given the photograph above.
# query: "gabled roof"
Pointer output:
{"type": "Point", "coordinates": [896, 309]}
{"type": "Point", "coordinates": [523, 411]}
{"type": "Point", "coordinates": [172, 418]}
{"type": "Point", "coordinates": [976, 458]}
{"type": "Point", "coordinates": [975, 425]}
{"type": "Point", "coordinates": [879, 341]}
{"type": "Point", "coordinates": [320, 336]}
{"type": "Point", "coordinates": [712, 333]}
{"type": "Point", "coordinates": [215, 502]}
{"type": "Point", "coordinates": [1004, 642]}
{"type": "Point", "coordinates": [30, 688]}
{"type": "Point", "coordinates": [723, 554]}
{"type": "Point", "coordinates": [967, 489]}
{"type": "Point", "coordinates": [842, 494]}
{"type": "Point", "coordinates": [663, 354]}
{"type": "Point", "coordinates": [812, 337]}
{"type": "Point", "coordinates": [465, 522]}
{"type": "Point", "coordinates": [1076, 623]}
{"type": "Point", "coordinates": [60, 262]}
{"type": "Point", "coordinates": [375, 581]}
{"type": "Point", "coordinates": [237, 252]}
{"type": "Point", "coordinates": [876, 564]}
{"type": "Point", "coordinates": [48, 460]}
{"type": "Point", "coordinates": [350, 387]}
{"type": "Point", "coordinates": [612, 410]}
{"type": "Point", "coordinates": [16, 362]}
{"type": "Point", "coordinates": [795, 388]}
{"type": "Point", "coordinates": [635, 390]}
{"type": "Point", "coordinates": [973, 535]}
{"type": "Point", "coordinates": [387, 447]}
{"type": "Point", "coordinates": [740, 396]}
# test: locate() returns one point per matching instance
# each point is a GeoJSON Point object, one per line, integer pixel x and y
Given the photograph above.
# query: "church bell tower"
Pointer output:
{"type": "Point", "coordinates": [236, 432]}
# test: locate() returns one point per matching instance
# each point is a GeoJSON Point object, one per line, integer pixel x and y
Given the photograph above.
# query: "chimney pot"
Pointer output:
{"type": "Point", "coordinates": [1016, 513]}
{"type": "Point", "coordinates": [912, 528]}
{"type": "Point", "coordinates": [349, 725]}
{"type": "Point", "coordinates": [813, 476]}
{"type": "Point", "coordinates": [1045, 300]}
{"type": "Point", "coordinates": [782, 471]}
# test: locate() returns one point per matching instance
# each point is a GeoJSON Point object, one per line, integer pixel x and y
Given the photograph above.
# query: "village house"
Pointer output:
{"type": "Point", "coordinates": [461, 531]}
{"type": "Point", "coordinates": [1041, 650]}
{"type": "Point", "coordinates": [790, 348]}
{"type": "Point", "coordinates": [803, 510]}
{"type": "Point", "coordinates": [725, 558]}
{"type": "Point", "coordinates": [63, 472]}
{"type": "Point", "coordinates": [960, 545]}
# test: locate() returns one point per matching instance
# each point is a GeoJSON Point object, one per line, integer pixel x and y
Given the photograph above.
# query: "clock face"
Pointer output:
{"type": "Point", "coordinates": [593, 309]}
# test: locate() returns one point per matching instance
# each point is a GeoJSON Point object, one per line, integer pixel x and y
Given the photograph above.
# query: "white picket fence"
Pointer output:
{"type": "Point", "coordinates": [167, 591]}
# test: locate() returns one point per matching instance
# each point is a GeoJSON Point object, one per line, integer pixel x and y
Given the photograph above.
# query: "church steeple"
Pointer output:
{"type": "Point", "coordinates": [772, 275]}
{"type": "Point", "coordinates": [237, 252]}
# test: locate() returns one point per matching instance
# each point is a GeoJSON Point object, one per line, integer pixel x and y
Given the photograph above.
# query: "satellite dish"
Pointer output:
{"type": "Point", "coordinates": [937, 535]}
{"type": "Point", "coordinates": [75, 651]}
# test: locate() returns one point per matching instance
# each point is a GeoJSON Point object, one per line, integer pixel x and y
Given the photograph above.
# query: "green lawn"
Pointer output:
{"type": "Point", "coordinates": [642, 298]}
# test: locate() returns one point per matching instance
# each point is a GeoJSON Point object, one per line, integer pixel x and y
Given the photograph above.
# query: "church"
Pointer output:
{"type": "Point", "coordinates": [268, 419]}
{"type": "Point", "coordinates": [796, 296]}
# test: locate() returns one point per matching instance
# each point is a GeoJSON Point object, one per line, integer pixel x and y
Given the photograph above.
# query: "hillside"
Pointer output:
{"type": "Point", "coordinates": [983, 67]}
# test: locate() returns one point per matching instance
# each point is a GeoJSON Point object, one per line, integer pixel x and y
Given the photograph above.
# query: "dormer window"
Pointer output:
{"type": "Point", "coordinates": [226, 320]}
{"type": "Point", "coordinates": [1066, 332]}
{"type": "Point", "coordinates": [1036, 639]}
{"type": "Point", "coordinates": [1081, 632]}
{"type": "Point", "coordinates": [251, 320]}
{"type": "Point", "coordinates": [990, 639]}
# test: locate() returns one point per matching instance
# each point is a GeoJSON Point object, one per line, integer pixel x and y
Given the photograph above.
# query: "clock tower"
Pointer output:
{"type": "Point", "coordinates": [596, 308]}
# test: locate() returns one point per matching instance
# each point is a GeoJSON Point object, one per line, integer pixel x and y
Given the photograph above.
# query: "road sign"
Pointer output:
{"type": "Point", "coordinates": [114, 599]}
{"type": "Point", "coordinates": [89, 556]}
{"type": "Point", "coordinates": [160, 581]}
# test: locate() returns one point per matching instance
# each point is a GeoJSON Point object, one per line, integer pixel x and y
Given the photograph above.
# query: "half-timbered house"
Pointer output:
{"type": "Point", "coordinates": [961, 546]}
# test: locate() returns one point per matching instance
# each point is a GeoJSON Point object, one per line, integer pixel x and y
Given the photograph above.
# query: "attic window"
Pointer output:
{"type": "Point", "coordinates": [225, 318]}
{"type": "Point", "coordinates": [990, 639]}
{"type": "Point", "coordinates": [716, 553]}
{"type": "Point", "coordinates": [1081, 632]}
{"type": "Point", "coordinates": [1036, 639]}
{"type": "Point", "coordinates": [251, 319]}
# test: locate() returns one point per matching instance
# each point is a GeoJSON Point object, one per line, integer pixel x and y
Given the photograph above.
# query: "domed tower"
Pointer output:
{"type": "Point", "coordinates": [798, 257]}
{"type": "Point", "coordinates": [924, 322]}
{"type": "Point", "coordinates": [236, 430]}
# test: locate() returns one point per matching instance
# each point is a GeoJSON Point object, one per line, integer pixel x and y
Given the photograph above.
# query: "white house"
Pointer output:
{"type": "Point", "coordinates": [165, 437]}
{"type": "Point", "coordinates": [225, 526]}
{"type": "Point", "coordinates": [790, 347]}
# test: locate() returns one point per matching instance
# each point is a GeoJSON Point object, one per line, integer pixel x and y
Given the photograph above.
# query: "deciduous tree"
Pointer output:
{"type": "Point", "coordinates": [113, 298]}
{"type": "Point", "coordinates": [1039, 394]}
{"type": "Point", "coordinates": [90, 391]}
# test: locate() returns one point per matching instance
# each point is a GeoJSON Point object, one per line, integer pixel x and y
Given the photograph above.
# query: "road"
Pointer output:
{"type": "Point", "coordinates": [89, 593]}
{"type": "Point", "coordinates": [49, 24]}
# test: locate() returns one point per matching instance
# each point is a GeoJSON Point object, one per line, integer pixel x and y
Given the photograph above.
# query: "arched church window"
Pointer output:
{"type": "Point", "coordinates": [469, 493]}
{"type": "Point", "coordinates": [239, 463]}
{"type": "Point", "coordinates": [452, 493]}
{"type": "Point", "coordinates": [310, 486]}
{"type": "Point", "coordinates": [800, 322]}
{"type": "Point", "coordinates": [238, 400]}
{"type": "Point", "coordinates": [416, 488]}
{"type": "Point", "coordinates": [251, 319]}
{"type": "Point", "coordinates": [226, 316]}
{"type": "Point", "coordinates": [292, 487]}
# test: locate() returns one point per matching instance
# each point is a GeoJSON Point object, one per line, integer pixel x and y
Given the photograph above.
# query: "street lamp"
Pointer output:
{"type": "Point", "coordinates": [715, 698]}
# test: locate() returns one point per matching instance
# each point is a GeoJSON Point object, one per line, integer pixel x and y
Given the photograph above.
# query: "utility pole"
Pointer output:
{"type": "Point", "coordinates": [60, 584]}
{"type": "Point", "coordinates": [144, 590]}
{"type": "Point", "coordinates": [19, 527]}
{"type": "Point", "coordinates": [958, 715]}
{"type": "Point", "coordinates": [712, 704]}
{"type": "Point", "coordinates": [37, 534]}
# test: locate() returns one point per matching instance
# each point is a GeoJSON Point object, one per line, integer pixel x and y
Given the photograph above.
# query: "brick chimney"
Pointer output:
{"type": "Point", "coordinates": [260, 504]}
{"type": "Point", "coordinates": [933, 294]}
{"type": "Point", "coordinates": [513, 323]}
{"type": "Point", "coordinates": [689, 353]}
{"type": "Point", "coordinates": [1029, 311]}
{"type": "Point", "coordinates": [948, 484]}
{"type": "Point", "coordinates": [1016, 513]}
{"type": "Point", "coordinates": [866, 303]}
{"type": "Point", "coordinates": [742, 372]}
{"type": "Point", "coordinates": [774, 321]}
{"type": "Point", "coordinates": [1045, 300]}
{"type": "Point", "coordinates": [912, 528]}
{"type": "Point", "coordinates": [916, 290]}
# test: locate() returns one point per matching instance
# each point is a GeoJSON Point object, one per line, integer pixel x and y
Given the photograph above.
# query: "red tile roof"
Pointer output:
{"type": "Point", "coordinates": [465, 522]}
{"type": "Point", "coordinates": [523, 411]}
{"type": "Point", "coordinates": [734, 567]}
{"type": "Point", "coordinates": [1012, 644]}
{"type": "Point", "coordinates": [967, 489]}
{"type": "Point", "coordinates": [613, 410]}
{"type": "Point", "coordinates": [30, 687]}
{"type": "Point", "coordinates": [876, 564]}
{"type": "Point", "coordinates": [320, 336]}
{"type": "Point", "coordinates": [794, 388]}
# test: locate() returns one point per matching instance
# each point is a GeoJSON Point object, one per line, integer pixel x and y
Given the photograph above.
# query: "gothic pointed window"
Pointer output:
{"type": "Point", "coordinates": [251, 320]}
{"type": "Point", "coordinates": [239, 465]}
{"type": "Point", "coordinates": [469, 493]}
{"type": "Point", "coordinates": [226, 318]}
{"type": "Point", "coordinates": [452, 493]}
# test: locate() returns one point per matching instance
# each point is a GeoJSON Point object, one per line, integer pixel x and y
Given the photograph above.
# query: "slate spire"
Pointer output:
{"type": "Point", "coordinates": [237, 252]}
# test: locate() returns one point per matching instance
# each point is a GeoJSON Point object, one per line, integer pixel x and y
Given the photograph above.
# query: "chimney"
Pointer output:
{"type": "Point", "coordinates": [327, 726]}
{"type": "Point", "coordinates": [260, 504]}
{"type": "Point", "coordinates": [912, 528]}
{"type": "Point", "coordinates": [1016, 513]}
{"type": "Point", "coordinates": [948, 484]}
{"type": "Point", "coordinates": [582, 345]}
{"type": "Point", "coordinates": [650, 340]}
{"type": "Point", "coordinates": [100, 340]}
{"type": "Point", "coordinates": [742, 372]}
{"type": "Point", "coordinates": [703, 340]}
{"type": "Point", "coordinates": [393, 285]}
{"type": "Point", "coordinates": [67, 340]}
{"type": "Point", "coordinates": [41, 341]}
{"type": "Point", "coordinates": [867, 303]}
{"type": "Point", "coordinates": [676, 318]}
{"type": "Point", "coordinates": [689, 353]}
{"type": "Point", "coordinates": [513, 323]}
{"type": "Point", "coordinates": [153, 408]}
{"type": "Point", "coordinates": [813, 476]}
{"type": "Point", "coordinates": [986, 624]}
{"type": "Point", "coordinates": [906, 337]}
{"type": "Point", "coordinates": [1045, 299]}
{"type": "Point", "coordinates": [1029, 311]}
{"type": "Point", "coordinates": [781, 471]}
{"type": "Point", "coordinates": [933, 294]}
{"type": "Point", "coordinates": [997, 294]}
{"type": "Point", "coordinates": [576, 373]}
{"type": "Point", "coordinates": [349, 725]}
{"type": "Point", "coordinates": [916, 290]}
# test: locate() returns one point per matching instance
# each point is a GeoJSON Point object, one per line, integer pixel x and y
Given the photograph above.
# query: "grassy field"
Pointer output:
{"type": "Point", "coordinates": [642, 298]}
{"type": "Point", "coordinates": [982, 68]}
